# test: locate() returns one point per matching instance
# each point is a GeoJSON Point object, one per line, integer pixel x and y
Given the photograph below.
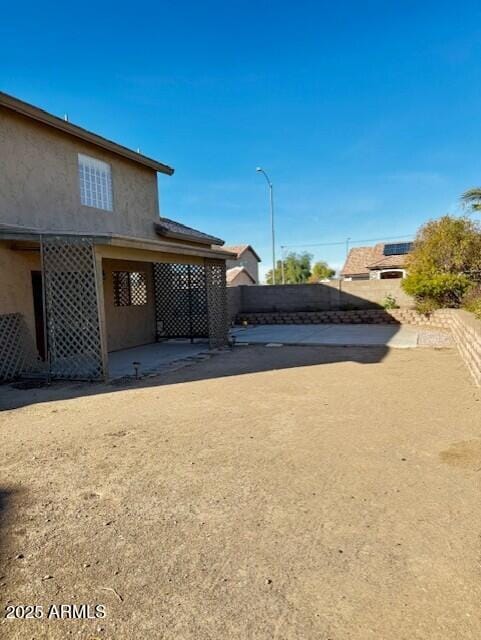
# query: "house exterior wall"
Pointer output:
{"type": "Point", "coordinates": [16, 295]}
{"type": "Point", "coordinates": [39, 183]}
{"type": "Point", "coordinates": [128, 326]}
{"type": "Point", "coordinates": [247, 260]}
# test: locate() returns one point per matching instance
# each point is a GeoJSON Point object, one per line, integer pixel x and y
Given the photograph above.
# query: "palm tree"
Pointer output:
{"type": "Point", "coordinates": [472, 199]}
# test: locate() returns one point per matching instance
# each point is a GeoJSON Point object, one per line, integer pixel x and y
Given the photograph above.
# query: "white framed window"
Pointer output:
{"type": "Point", "coordinates": [95, 179]}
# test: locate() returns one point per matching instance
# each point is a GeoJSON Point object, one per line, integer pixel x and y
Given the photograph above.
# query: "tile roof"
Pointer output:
{"type": "Point", "coordinates": [388, 261]}
{"type": "Point", "coordinates": [361, 260]}
{"type": "Point", "coordinates": [240, 248]}
{"type": "Point", "coordinates": [357, 260]}
{"type": "Point", "coordinates": [232, 274]}
{"type": "Point", "coordinates": [174, 229]}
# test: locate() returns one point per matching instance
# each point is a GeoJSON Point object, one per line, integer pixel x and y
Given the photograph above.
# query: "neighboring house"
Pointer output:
{"type": "Point", "coordinates": [88, 265]}
{"type": "Point", "coordinates": [379, 262]}
{"type": "Point", "coordinates": [239, 275]}
{"type": "Point", "coordinates": [245, 257]}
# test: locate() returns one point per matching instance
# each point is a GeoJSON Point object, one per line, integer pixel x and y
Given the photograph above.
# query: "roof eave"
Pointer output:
{"type": "Point", "coordinates": [168, 233]}
{"type": "Point", "coordinates": [34, 113]}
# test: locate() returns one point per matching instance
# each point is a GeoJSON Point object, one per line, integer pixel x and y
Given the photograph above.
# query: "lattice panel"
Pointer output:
{"type": "Point", "coordinates": [17, 351]}
{"type": "Point", "coordinates": [73, 329]}
{"type": "Point", "coordinates": [130, 288]}
{"type": "Point", "coordinates": [138, 288]}
{"type": "Point", "coordinates": [180, 301]}
{"type": "Point", "coordinates": [217, 303]}
{"type": "Point", "coordinates": [121, 283]}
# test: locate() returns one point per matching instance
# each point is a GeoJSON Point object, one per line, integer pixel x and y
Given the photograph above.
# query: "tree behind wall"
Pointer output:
{"type": "Point", "coordinates": [445, 261]}
{"type": "Point", "coordinates": [297, 269]}
{"type": "Point", "coordinates": [321, 271]}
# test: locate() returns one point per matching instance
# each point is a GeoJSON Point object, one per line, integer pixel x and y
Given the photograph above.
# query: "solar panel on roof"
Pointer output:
{"type": "Point", "coordinates": [397, 249]}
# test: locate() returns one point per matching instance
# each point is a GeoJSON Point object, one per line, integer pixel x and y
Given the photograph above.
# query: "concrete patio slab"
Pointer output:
{"type": "Point", "coordinates": [354, 335]}
{"type": "Point", "coordinates": [152, 357]}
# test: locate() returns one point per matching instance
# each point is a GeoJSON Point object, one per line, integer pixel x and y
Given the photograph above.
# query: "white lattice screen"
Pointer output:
{"type": "Point", "coordinates": [73, 327]}
{"type": "Point", "coordinates": [17, 351]}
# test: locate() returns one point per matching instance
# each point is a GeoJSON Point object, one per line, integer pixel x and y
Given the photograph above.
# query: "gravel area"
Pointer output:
{"type": "Point", "coordinates": [435, 338]}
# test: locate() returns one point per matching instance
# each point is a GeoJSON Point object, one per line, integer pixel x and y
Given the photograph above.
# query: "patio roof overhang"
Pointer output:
{"type": "Point", "coordinates": [29, 239]}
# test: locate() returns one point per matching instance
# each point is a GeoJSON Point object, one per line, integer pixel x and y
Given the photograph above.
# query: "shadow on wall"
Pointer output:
{"type": "Point", "coordinates": [334, 296]}
{"type": "Point", "coordinates": [234, 362]}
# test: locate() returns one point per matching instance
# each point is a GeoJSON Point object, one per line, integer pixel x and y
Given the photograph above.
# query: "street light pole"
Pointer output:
{"type": "Point", "coordinates": [271, 200]}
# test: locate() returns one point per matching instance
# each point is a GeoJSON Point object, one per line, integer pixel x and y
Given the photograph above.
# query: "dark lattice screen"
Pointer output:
{"type": "Point", "coordinates": [73, 328]}
{"type": "Point", "coordinates": [121, 288]}
{"type": "Point", "coordinates": [130, 288]}
{"type": "Point", "coordinates": [138, 288]}
{"type": "Point", "coordinates": [180, 301]}
{"type": "Point", "coordinates": [217, 303]}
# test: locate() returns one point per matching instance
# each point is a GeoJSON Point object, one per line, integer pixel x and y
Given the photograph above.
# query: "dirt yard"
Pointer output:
{"type": "Point", "coordinates": [286, 493]}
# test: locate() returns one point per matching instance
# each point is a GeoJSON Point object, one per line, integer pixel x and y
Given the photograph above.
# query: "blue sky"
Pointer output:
{"type": "Point", "coordinates": [367, 115]}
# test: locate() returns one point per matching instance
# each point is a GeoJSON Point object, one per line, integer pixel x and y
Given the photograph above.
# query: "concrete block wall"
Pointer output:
{"type": "Point", "coordinates": [336, 295]}
{"type": "Point", "coordinates": [234, 306]}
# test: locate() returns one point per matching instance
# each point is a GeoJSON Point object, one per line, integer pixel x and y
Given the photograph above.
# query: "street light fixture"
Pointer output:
{"type": "Point", "coordinates": [271, 200]}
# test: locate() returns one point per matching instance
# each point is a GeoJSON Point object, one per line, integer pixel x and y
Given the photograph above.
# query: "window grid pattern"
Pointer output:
{"type": "Point", "coordinates": [130, 288]}
{"type": "Point", "coordinates": [95, 179]}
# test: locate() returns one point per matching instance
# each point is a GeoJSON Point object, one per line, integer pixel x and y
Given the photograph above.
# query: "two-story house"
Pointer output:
{"type": "Point", "coordinates": [243, 266]}
{"type": "Point", "coordinates": [88, 266]}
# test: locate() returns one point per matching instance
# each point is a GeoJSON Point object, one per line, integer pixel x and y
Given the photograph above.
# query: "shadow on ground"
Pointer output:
{"type": "Point", "coordinates": [7, 496]}
{"type": "Point", "coordinates": [230, 362]}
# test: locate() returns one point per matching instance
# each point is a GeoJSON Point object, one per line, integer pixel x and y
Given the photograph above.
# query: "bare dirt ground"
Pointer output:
{"type": "Point", "coordinates": [289, 493]}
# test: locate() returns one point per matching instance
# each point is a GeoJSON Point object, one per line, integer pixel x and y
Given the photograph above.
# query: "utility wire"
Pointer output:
{"type": "Point", "coordinates": [343, 242]}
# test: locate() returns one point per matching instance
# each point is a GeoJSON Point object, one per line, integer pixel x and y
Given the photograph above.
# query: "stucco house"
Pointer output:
{"type": "Point", "coordinates": [88, 264]}
{"type": "Point", "coordinates": [381, 261]}
{"type": "Point", "coordinates": [243, 266]}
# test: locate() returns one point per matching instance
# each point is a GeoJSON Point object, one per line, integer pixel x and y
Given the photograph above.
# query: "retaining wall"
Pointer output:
{"type": "Point", "coordinates": [466, 331]}
{"type": "Point", "coordinates": [362, 316]}
{"type": "Point", "coordinates": [355, 302]}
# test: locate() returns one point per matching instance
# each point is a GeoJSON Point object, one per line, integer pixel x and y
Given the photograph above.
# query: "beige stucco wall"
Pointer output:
{"type": "Point", "coordinates": [16, 294]}
{"type": "Point", "coordinates": [128, 326]}
{"type": "Point", "coordinates": [39, 183]}
{"type": "Point", "coordinates": [247, 260]}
